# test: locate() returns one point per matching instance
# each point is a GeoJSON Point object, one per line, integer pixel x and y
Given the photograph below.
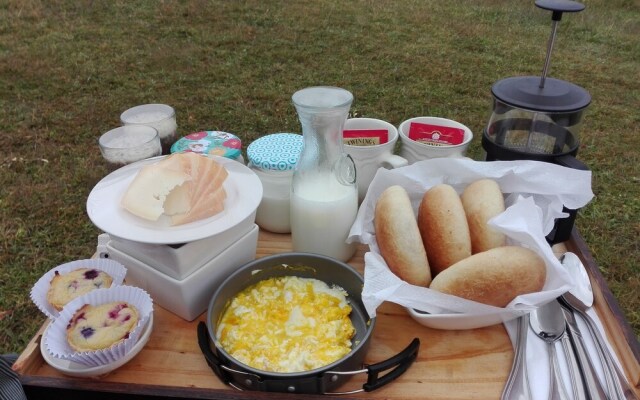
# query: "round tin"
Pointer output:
{"type": "Point", "coordinates": [216, 143]}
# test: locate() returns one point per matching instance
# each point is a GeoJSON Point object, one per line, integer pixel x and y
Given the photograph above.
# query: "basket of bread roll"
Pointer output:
{"type": "Point", "coordinates": [461, 244]}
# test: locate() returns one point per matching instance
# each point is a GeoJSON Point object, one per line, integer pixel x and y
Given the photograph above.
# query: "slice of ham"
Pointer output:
{"type": "Point", "coordinates": [209, 195]}
{"type": "Point", "coordinates": [204, 180]}
{"type": "Point", "coordinates": [208, 205]}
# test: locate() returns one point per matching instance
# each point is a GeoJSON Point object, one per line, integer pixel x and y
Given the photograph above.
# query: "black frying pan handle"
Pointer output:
{"type": "Point", "coordinates": [209, 355]}
{"type": "Point", "coordinates": [400, 363]}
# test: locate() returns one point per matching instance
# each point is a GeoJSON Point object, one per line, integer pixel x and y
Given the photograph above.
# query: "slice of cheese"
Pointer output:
{"type": "Point", "coordinates": [209, 204]}
{"type": "Point", "coordinates": [179, 199]}
{"type": "Point", "coordinates": [146, 195]}
{"type": "Point", "coordinates": [186, 187]}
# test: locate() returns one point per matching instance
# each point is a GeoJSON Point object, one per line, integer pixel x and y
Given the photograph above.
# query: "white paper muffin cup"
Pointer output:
{"type": "Point", "coordinates": [55, 337]}
{"type": "Point", "coordinates": [39, 291]}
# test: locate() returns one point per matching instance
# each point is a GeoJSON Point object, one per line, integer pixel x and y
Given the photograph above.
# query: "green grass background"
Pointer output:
{"type": "Point", "coordinates": [69, 68]}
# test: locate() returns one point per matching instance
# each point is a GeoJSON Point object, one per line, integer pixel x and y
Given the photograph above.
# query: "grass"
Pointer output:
{"type": "Point", "coordinates": [69, 68]}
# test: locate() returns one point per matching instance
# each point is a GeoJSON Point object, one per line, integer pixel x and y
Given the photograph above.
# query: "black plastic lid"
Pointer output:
{"type": "Point", "coordinates": [556, 96]}
{"type": "Point", "coordinates": [559, 6]}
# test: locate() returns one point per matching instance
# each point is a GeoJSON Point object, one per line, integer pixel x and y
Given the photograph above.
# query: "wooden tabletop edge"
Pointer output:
{"type": "Point", "coordinates": [628, 339]}
{"type": "Point", "coordinates": [85, 388]}
{"type": "Point", "coordinates": [26, 360]}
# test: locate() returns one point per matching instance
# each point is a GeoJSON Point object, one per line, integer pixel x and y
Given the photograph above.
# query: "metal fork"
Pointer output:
{"type": "Point", "coordinates": [517, 386]}
{"type": "Point", "coordinates": [615, 380]}
{"type": "Point", "coordinates": [618, 388]}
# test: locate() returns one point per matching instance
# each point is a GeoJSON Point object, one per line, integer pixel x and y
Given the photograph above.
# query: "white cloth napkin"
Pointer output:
{"type": "Point", "coordinates": [538, 357]}
{"type": "Point", "coordinates": [536, 193]}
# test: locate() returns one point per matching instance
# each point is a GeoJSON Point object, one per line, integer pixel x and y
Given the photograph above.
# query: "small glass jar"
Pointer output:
{"type": "Point", "coordinates": [159, 116]}
{"type": "Point", "coordinates": [128, 144]}
{"type": "Point", "coordinates": [273, 158]}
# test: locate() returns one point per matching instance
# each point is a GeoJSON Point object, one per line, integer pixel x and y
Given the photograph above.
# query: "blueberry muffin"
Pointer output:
{"type": "Point", "coordinates": [66, 287]}
{"type": "Point", "coordinates": [99, 327]}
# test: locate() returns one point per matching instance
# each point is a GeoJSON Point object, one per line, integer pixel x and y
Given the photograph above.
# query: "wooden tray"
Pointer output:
{"type": "Point", "coordinates": [471, 364]}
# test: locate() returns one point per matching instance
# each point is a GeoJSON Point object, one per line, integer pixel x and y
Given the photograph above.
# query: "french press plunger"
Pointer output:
{"type": "Point", "coordinates": [538, 117]}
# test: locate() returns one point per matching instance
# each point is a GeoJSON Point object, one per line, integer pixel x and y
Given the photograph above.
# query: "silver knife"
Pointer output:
{"type": "Point", "coordinates": [517, 386]}
{"type": "Point", "coordinates": [593, 387]}
{"type": "Point", "coordinates": [577, 384]}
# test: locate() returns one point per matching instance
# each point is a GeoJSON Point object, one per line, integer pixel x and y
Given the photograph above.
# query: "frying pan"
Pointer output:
{"type": "Point", "coordinates": [322, 380]}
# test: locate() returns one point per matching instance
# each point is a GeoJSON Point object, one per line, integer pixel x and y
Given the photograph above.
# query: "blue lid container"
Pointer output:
{"type": "Point", "coordinates": [275, 152]}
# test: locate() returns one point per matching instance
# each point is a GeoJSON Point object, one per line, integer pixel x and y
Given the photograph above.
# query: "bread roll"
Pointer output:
{"type": "Point", "coordinates": [398, 237]}
{"type": "Point", "coordinates": [443, 227]}
{"type": "Point", "coordinates": [482, 200]}
{"type": "Point", "coordinates": [494, 277]}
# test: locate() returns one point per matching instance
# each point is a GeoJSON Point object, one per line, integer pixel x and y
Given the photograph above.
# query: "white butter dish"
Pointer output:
{"type": "Point", "coordinates": [181, 260]}
{"type": "Point", "coordinates": [189, 297]}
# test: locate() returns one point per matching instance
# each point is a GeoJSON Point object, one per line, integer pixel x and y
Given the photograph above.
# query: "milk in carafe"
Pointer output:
{"type": "Point", "coordinates": [322, 216]}
{"type": "Point", "coordinates": [324, 195]}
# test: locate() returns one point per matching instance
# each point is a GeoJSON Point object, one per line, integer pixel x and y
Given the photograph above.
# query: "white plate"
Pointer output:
{"type": "Point", "coordinates": [461, 321]}
{"type": "Point", "coordinates": [75, 369]}
{"type": "Point", "coordinates": [244, 193]}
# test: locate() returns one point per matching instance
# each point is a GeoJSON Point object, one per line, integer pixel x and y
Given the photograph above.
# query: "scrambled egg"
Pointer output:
{"type": "Point", "coordinates": [287, 324]}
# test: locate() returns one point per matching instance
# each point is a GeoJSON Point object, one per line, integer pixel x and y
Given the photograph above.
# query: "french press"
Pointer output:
{"type": "Point", "coordinates": [539, 117]}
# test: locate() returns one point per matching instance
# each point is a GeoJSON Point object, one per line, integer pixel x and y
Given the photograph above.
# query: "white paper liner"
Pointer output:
{"type": "Point", "coordinates": [535, 194]}
{"type": "Point", "coordinates": [39, 291]}
{"type": "Point", "coordinates": [55, 338]}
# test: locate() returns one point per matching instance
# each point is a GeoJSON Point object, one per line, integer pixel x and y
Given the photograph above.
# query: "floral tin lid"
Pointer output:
{"type": "Point", "coordinates": [276, 152]}
{"type": "Point", "coordinates": [210, 142]}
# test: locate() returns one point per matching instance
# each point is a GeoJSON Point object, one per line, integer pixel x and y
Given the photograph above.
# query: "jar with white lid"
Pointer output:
{"type": "Point", "coordinates": [273, 158]}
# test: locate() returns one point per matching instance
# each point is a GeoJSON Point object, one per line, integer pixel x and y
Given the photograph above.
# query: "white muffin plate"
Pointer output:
{"type": "Point", "coordinates": [75, 369]}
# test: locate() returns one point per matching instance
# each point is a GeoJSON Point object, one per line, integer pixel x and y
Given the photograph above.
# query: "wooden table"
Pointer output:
{"type": "Point", "coordinates": [471, 364]}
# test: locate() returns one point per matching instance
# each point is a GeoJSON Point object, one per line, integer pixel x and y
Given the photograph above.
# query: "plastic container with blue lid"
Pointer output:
{"type": "Point", "coordinates": [273, 158]}
{"type": "Point", "coordinates": [217, 143]}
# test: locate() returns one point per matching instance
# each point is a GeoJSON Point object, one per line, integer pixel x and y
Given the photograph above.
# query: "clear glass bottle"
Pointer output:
{"type": "Point", "coordinates": [324, 195]}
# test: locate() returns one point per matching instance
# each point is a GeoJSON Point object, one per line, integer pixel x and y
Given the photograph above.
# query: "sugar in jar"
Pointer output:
{"type": "Point", "coordinates": [273, 158]}
{"type": "Point", "coordinates": [159, 116]}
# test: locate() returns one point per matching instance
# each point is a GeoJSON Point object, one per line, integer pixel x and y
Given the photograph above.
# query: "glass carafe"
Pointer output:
{"type": "Point", "coordinates": [324, 195]}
